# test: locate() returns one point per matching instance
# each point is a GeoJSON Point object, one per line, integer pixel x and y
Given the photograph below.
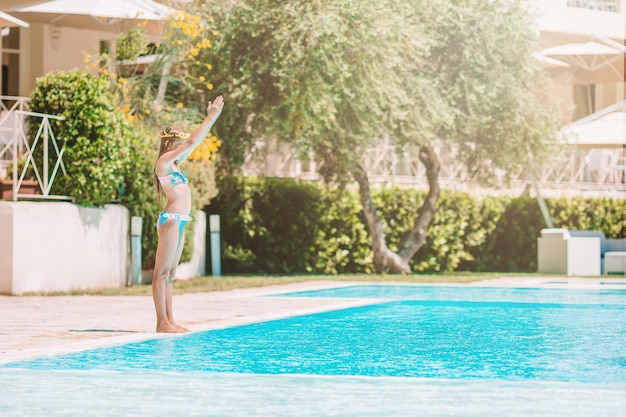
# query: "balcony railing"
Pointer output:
{"type": "Point", "coordinates": [18, 150]}
{"type": "Point", "coordinates": [602, 5]}
{"type": "Point", "coordinates": [572, 171]}
{"type": "Point", "coordinates": [8, 106]}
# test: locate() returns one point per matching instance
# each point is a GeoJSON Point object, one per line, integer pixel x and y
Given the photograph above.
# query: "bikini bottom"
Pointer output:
{"type": "Point", "coordinates": [166, 215]}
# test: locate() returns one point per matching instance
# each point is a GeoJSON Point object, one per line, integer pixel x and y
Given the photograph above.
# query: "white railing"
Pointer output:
{"type": "Point", "coordinates": [602, 5]}
{"type": "Point", "coordinates": [17, 150]}
{"type": "Point", "coordinates": [582, 171]}
{"type": "Point", "coordinates": [45, 138]}
{"type": "Point", "coordinates": [601, 168]}
{"type": "Point", "coordinates": [8, 106]}
{"type": "Point", "coordinates": [19, 103]}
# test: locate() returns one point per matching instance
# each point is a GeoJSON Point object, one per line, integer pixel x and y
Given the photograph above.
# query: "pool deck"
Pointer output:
{"type": "Point", "coordinates": [33, 326]}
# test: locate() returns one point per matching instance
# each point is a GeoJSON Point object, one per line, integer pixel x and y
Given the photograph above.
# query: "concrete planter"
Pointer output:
{"type": "Point", "coordinates": [60, 246]}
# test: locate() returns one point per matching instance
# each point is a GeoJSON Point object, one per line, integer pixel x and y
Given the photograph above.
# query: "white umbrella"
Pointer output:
{"type": "Point", "coordinates": [605, 129]}
{"type": "Point", "coordinates": [600, 142]}
{"type": "Point", "coordinates": [6, 20]}
{"type": "Point", "coordinates": [590, 62]}
{"type": "Point", "coordinates": [105, 15]}
{"type": "Point", "coordinates": [550, 62]}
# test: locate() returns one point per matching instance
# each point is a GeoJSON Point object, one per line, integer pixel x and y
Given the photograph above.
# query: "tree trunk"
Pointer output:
{"type": "Point", "coordinates": [160, 97]}
{"type": "Point", "coordinates": [384, 259]}
{"type": "Point", "coordinates": [425, 215]}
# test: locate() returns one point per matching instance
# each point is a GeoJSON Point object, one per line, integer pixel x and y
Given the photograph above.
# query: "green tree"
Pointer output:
{"type": "Point", "coordinates": [489, 90]}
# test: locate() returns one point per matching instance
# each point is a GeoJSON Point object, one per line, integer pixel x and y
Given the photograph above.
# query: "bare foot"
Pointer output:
{"type": "Point", "coordinates": [182, 329]}
{"type": "Point", "coordinates": [169, 328]}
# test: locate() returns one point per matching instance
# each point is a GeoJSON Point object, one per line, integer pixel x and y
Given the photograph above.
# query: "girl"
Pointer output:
{"type": "Point", "coordinates": [176, 146]}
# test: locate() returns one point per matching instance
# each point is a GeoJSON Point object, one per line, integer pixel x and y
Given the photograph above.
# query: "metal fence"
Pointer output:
{"type": "Point", "coordinates": [571, 171]}
{"type": "Point", "coordinates": [17, 150]}
{"type": "Point", "coordinates": [602, 5]}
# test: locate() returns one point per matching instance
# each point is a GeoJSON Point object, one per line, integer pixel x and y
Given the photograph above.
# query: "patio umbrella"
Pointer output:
{"type": "Point", "coordinates": [103, 15]}
{"type": "Point", "coordinates": [6, 20]}
{"type": "Point", "coordinates": [604, 129]}
{"type": "Point", "coordinates": [590, 62]}
{"type": "Point", "coordinates": [550, 62]}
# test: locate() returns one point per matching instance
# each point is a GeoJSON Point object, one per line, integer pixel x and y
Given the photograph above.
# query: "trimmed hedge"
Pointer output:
{"type": "Point", "coordinates": [283, 226]}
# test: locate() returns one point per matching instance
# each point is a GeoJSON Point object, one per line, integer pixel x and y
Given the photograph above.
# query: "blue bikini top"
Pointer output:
{"type": "Point", "coordinates": [176, 177]}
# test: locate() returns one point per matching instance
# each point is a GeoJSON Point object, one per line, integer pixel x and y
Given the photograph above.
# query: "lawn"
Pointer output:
{"type": "Point", "coordinates": [224, 283]}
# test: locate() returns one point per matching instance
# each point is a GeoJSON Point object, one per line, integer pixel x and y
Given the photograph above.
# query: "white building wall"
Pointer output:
{"type": "Point", "coordinates": [48, 48]}
{"type": "Point", "coordinates": [59, 246]}
{"type": "Point", "coordinates": [557, 17]}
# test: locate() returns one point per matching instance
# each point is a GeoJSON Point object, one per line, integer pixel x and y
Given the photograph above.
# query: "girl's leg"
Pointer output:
{"type": "Point", "coordinates": [167, 250]}
{"type": "Point", "coordinates": [168, 289]}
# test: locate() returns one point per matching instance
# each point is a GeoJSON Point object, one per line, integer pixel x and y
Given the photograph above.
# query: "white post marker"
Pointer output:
{"type": "Point", "coordinates": [216, 260]}
{"type": "Point", "coordinates": [135, 249]}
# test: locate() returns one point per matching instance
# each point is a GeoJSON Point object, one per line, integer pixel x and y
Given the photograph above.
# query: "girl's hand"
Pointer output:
{"type": "Point", "coordinates": [214, 109]}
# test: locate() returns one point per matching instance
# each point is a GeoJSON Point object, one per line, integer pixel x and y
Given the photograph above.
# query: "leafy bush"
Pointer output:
{"type": "Point", "coordinates": [456, 236]}
{"type": "Point", "coordinates": [94, 135]}
{"type": "Point", "coordinates": [278, 223]}
{"type": "Point", "coordinates": [230, 205]}
{"type": "Point", "coordinates": [263, 223]}
{"type": "Point", "coordinates": [130, 44]}
{"type": "Point", "coordinates": [579, 213]}
{"type": "Point", "coordinates": [512, 246]}
{"type": "Point", "coordinates": [484, 220]}
{"type": "Point", "coordinates": [343, 244]}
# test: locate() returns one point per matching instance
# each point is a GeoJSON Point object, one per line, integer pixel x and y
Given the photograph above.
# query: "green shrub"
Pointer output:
{"type": "Point", "coordinates": [456, 235]}
{"type": "Point", "coordinates": [452, 234]}
{"type": "Point", "coordinates": [94, 135]}
{"type": "Point", "coordinates": [484, 219]}
{"type": "Point", "coordinates": [130, 44]}
{"type": "Point", "coordinates": [343, 244]}
{"type": "Point", "coordinates": [577, 213]}
{"type": "Point", "coordinates": [263, 223]}
{"type": "Point", "coordinates": [278, 223]}
{"type": "Point", "coordinates": [512, 246]}
{"type": "Point", "coordinates": [288, 215]}
{"type": "Point", "coordinates": [230, 204]}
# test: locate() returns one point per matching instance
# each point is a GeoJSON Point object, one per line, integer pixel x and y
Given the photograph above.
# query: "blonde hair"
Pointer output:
{"type": "Point", "coordinates": [170, 136]}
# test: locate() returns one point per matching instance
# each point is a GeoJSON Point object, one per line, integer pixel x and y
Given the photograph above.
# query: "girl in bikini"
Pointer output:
{"type": "Point", "coordinates": [176, 146]}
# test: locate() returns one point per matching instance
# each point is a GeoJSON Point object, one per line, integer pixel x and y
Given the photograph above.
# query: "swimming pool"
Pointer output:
{"type": "Point", "coordinates": [444, 350]}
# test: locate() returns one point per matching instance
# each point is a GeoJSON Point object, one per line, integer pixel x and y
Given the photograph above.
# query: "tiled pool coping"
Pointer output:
{"type": "Point", "coordinates": [40, 325]}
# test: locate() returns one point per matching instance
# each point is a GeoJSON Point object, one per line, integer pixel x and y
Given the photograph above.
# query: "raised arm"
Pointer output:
{"type": "Point", "coordinates": [181, 153]}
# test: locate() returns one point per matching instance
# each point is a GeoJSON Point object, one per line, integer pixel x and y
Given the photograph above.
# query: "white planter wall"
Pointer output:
{"type": "Point", "coordinates": [59, 246]}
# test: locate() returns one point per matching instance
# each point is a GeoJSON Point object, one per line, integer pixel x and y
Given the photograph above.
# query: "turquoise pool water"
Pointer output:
{"type": "Point", "coordinates": [615, 296]}
{"type": "Point", "coordinates": [451, 350]}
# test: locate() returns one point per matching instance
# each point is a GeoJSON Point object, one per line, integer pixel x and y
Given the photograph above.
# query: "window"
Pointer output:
{"type": "Point", "coordinates": [9, 61]}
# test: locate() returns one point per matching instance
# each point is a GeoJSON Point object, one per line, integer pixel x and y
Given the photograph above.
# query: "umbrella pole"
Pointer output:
{"type": "Point", "coordinates": [542, 204]}
{"type": "Point", "coordinates": [160, 97]}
